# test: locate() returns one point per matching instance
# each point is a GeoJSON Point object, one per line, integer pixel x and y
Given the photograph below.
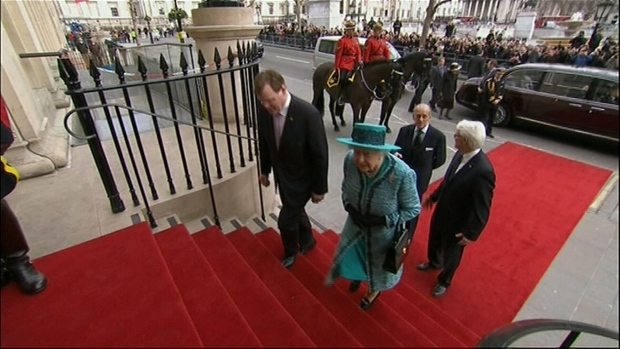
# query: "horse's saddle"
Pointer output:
{"type": "Point", "coordinates": [334, 78]}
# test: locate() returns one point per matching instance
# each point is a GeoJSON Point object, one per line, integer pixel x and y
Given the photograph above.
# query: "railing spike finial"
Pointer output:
{"type": "Point", "coordinates": [69, 74]}
{"type": "Point", "coordinates": [240, 54]}
{"type": "Point", "coordinates": [217, 59]}
{"type": "Point", "coordinates": [202, 62]}
{"type": "Point", "coordinates": [231, 57]}
{"type": "Point", "coordinates": [94, 73]}
{"type": "Point", "coordinates": [163, 65]}
{"type": "Point", "coordinates": [142, 68]}
{"type": "Point", "coordinates": [183, 63]}
{"type": "Point", "coordinates": [119, 70]}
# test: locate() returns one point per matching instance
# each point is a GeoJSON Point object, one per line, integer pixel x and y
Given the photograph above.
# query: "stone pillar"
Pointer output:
{"type": "Point", "coordinates": [502, 11]}
{"type": "Point", "coordinates": [324, 13]}
{"type": "Point", "coordinates": [213, 29]}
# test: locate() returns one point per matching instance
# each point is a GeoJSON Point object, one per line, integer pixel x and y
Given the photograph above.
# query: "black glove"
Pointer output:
{"type": "Point", "coordinates": [368, 220]}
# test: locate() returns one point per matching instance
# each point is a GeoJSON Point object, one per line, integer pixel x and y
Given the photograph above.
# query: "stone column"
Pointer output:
{"type": "Point", "coordinates": [324, 13]}
{"type": "Point", "coordinates": [213, 29]}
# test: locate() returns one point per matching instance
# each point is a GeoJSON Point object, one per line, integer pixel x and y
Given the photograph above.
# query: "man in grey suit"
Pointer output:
{"type": "Point", "coordinates": [463, 202]}
{"type": "Point", "coordinates": [423, 148]}
{"type": "Point", "coordinates": [293, 143]}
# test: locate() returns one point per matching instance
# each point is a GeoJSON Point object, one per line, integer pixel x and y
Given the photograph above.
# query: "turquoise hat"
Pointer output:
{"type": "Point", "coordinates": [369, 137]}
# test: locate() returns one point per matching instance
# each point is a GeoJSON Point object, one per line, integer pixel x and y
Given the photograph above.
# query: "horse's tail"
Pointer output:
{"type": "Point", "coordinates": [318, 100]}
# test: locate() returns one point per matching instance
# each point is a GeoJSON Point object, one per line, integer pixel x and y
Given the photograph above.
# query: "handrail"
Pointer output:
{"type": "Point", "coordinates": [117, 106]}
{"type": "Point", "coordinates": [58, 53]}
{"type": "Point", "coordinates": [503, 336]}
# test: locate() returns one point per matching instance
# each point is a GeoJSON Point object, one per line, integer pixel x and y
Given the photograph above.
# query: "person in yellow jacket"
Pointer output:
{"type": "Point", "coordinates": [15, 264]}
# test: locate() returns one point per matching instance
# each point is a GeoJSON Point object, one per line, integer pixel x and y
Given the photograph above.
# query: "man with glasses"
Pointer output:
{"type": "Point", "coordinates": [423, 148]}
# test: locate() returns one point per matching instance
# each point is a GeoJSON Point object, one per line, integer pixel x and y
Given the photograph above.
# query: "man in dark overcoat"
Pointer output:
{"type": "Point", "coordinates": [463, 204]}
{"type": "Point", "coordinates": [292, 143]}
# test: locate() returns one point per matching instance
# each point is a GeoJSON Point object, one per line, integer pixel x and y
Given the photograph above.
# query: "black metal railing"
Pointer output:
{"type": "Point", "coordinates": [145, 109]}
{"type": "Point", "coordinates": [504, 336]}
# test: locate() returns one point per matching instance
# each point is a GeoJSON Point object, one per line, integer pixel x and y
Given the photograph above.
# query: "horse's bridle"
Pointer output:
{"type": "Point", "coordinates": [374, 94]}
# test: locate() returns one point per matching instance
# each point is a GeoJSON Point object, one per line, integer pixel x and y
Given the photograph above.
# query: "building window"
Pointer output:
{"type": "Point", "coordinates": [114, 11]}
{"type": "Point", "coordinates": [270, 8]}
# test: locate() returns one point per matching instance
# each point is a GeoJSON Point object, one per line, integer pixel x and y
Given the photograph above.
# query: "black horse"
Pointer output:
{"type": "Point", "coordinates": [418, 63]}
{"type": "Point", "coordinates": [360, 92]}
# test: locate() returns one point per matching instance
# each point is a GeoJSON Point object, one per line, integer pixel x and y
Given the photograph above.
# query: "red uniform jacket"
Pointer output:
{"type": "Point", "coordinates": [375, 49]}
{"type": "Point", "coordinates": [347, 53]}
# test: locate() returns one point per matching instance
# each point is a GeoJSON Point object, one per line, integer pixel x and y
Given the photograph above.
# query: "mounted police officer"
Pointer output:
{"type": "Point", "coordinates": [376, 49]}
{"type": "Point", "coordinates": [348, 56]}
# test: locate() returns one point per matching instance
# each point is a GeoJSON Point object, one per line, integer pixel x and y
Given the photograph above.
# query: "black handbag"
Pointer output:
{"type": "Point", "coordinates": [398, 250]}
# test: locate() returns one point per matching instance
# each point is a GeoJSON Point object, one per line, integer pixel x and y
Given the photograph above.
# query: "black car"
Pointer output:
{"type": "Point", "coordinates": [260, 47]}
{"type": "Point", "coordinates": [578, 100]}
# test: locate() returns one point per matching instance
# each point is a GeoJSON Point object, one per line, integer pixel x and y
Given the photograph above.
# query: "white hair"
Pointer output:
{"type": "Point", "coordinates": [473, 132]}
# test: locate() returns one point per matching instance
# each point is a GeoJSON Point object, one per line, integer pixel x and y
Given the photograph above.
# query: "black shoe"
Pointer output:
{"type": "Point", "coordinates": [426, 266]}
{"type": "Point", "coordinates": [490, 135]}
{"type": "Point", "coordinates": [366, 304]}
{"type": "Point", "coordinates": [439, 290]}
{"type": "Point", "coordinates": [354, 286]}
{"type": "Point", "coordinates": [448, 117]}
{"type": "Point", "coordinates": [305, 249]}
{"type": "Point", "coordinates": [30, 280]}
{"type": "Point", "coordinates": [288, 261]}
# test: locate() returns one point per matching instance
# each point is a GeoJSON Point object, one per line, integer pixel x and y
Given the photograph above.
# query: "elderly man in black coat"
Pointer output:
{"type": "Point", "coordinates": [293, 143]}
{"type": "Point", "coordinates": [463, 204]}
{"type": "Point", "coordinates": [423, 148]}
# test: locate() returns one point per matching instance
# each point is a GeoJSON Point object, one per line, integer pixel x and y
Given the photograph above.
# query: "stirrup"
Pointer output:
{"type": "Point", "coordinates": [340, 100]}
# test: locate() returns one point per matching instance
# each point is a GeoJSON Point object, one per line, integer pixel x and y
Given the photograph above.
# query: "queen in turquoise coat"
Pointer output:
{"type": "Point", "coordinates": [379, 194]}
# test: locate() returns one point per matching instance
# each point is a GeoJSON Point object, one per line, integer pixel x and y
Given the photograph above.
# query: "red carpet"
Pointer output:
{"type": "Point", "coordinates": [216, 317]}
{"type": "Point", "coordinates": [272, 324]}
{"type": "Point", "coordinates": [99, 295]}
{"type": "Point", "coordinates": [133, 289]}
{"type": "Point", "coordinates": [539, 199]}
{"type": "Point", "coordinates": [317, 322]}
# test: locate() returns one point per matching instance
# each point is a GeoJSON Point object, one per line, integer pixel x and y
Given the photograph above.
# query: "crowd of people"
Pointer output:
{"type": "Point", "coordinates": [594, 51]}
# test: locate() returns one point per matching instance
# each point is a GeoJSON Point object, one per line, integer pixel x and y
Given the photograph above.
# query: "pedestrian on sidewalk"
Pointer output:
{"type": "Point", "coordinates": [379, 193]}
{"type": "Point", "coordinates": [293, 144]}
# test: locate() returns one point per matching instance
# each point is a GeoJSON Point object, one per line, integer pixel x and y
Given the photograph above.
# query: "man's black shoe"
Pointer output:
{"type": "Point", "coordinates": [490, 135]}
{"type": "Point", "coordinates": [426, 266]}
{"type": "Point", "coordinates": [288, 261]}
{"type": "Point", "coordinates": [30, 280]}
{"type": "Point", "coordinates": [439, 290]}
{"type": "Point", "coordinates": [305, 249]}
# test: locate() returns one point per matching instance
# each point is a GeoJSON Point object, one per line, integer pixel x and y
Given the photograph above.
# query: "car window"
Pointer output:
{"type": "Point", "coordinates": [327, 46]}
{"type": "Point", "coordinates": [606, 92]}
{"type": "Point", "coordinates": [566, 85]}
{"type": "Point", "coordinates": [526, 79]}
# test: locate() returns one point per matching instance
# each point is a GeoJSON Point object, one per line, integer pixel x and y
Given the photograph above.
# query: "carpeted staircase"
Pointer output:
{"type": "Point", "coordinates": [208, 289]}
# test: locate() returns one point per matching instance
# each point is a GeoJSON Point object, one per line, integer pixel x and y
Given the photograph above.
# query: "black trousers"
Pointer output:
{"type": "Point", "coordinates": [436, 92]}
{"type": "Point", "coordinates": [295, 228]}
{"type": "Point", "coordinates": [487, 116]}
{"type": "Point", "coordinates": [13, 243]}
{"type": "Point", "coordinates": [417, 97]}
{"type": "Point", "coordinates": [444, 252]}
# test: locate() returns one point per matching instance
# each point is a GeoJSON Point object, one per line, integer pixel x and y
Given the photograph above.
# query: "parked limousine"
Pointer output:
{"type": "Point", "coordinates": [581, 100]}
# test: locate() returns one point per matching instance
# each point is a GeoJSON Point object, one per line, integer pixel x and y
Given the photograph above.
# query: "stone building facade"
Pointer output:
{"type": "Point", "coordinates": [32, 88]}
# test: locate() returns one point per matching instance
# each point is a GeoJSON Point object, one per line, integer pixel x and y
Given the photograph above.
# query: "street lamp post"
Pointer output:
{"type": "Point", "coordinates": [180, 25]}
{"type": "Point", "coordinates": [601, 12]}
{"type": "Point", "coordinates": [148, 18]}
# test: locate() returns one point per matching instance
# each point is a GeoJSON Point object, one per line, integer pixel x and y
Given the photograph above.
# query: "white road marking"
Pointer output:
{"type": "Point", "coordinates": [293, 60]}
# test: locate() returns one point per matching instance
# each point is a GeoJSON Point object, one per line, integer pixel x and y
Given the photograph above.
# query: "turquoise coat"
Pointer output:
{"type": "Point", "coordinates": [391, 193]}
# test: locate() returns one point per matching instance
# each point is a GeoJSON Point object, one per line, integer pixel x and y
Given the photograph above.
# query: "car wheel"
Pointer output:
{"type": "Point", "coordinates": [503, 116]}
